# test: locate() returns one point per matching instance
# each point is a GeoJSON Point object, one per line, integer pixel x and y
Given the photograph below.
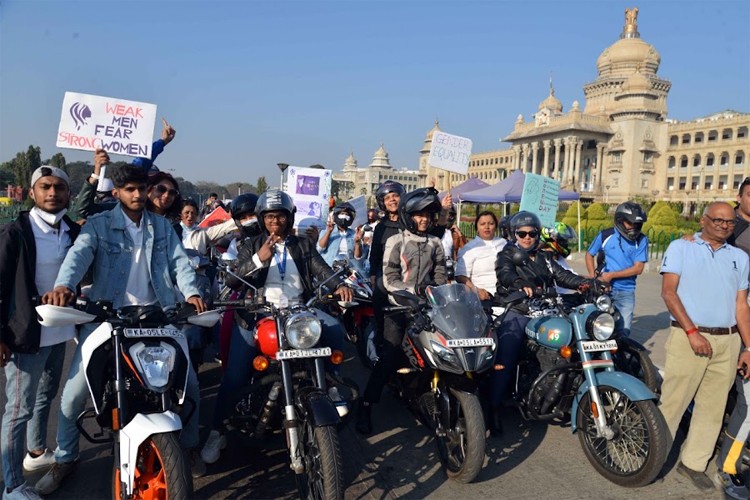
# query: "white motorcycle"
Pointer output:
{"type": "Point", "coordinates": [136, 366]}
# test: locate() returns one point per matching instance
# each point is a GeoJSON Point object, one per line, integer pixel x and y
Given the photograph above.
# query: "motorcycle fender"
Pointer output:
{"type": "Point", "coordinates": [319, 408]}
{"type": "Point", "coordinates": [136, 432]}
{"type": "Point", "coordinates": [633, 388]}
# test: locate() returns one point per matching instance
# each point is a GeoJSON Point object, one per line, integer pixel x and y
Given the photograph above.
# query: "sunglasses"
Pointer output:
{"type": "Point", "coordinates": [161, 189]}
{"type": "Point", "coordinates": [524, 234]}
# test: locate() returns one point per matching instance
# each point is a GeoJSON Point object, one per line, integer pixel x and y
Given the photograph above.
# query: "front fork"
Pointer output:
{"type": "Point", "coordinates": [291, 422]}
{"type": "Point", "coordinates": [589, 365]}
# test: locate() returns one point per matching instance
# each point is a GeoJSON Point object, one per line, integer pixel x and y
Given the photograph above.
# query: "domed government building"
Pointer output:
{"type": "Point", "coordinates": [620, 144]}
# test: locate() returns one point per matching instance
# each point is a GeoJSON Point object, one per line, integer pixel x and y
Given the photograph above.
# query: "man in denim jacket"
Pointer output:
{"type": "Point", "coordinates": [137, 259]}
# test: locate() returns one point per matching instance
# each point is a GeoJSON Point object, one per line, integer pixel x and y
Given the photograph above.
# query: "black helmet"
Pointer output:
{"type": "Point", "coordinates": [274, 200]}
{"type": "Point", "coordinates": [415, 201]}
{"type": "Point", "coordinates": [388, 187]}
{"type": "Point", "coordinates": [504, 225]}
{"type": "Point", "coordinates": [342, 219]}
{"type": "Point", "coordinates": [634, 214]}
{"type": "Point", "coordinates": [525, 219]}
{"type": "Point", "coordinates": [243, 205]}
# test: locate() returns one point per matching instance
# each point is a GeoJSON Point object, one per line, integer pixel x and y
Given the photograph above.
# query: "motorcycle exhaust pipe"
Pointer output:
{"type": "Point", "coordinates": [553, 395]}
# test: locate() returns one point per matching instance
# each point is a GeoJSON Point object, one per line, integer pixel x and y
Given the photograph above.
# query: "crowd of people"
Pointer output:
{"type": "Point", "coordinates": [137, 242]}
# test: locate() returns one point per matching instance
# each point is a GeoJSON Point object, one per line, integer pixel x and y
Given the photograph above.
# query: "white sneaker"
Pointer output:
{"type": "Point", "coordinates": [22, 492]}
{"type": "Point", "coordinates": [31, 464]}
{"type": "Point", "coordinates": [212, 449]}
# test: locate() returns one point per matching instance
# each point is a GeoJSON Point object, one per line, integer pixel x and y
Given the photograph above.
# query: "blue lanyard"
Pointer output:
{"type": "Point", "coordinates": [281, 264]}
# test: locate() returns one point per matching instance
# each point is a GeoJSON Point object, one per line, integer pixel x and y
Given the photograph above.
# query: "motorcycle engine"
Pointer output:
{"type": "Point", "coordinates": [548, 391]}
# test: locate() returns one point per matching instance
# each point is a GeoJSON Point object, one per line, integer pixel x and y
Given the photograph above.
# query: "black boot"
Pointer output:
{"type": "Point", "coordinates": [364, 417]}
{"type": "Point", "coordinates": [496, 421]}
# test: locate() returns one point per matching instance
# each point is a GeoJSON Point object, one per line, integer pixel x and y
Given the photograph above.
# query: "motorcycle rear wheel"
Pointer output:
{"type": "Point", "coordinates": [635, 456]}
{"type": "Point", "coordinates": [323, 478]}
{"type": "Point", "coordinates": [461, 450]}
{"type": "Point", "coordinates": [161, 471]}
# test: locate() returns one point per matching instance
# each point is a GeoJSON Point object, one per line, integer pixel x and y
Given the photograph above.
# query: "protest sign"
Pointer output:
{"type": "Point", "coordinates": [540, 196]}
{"type": "Point", "coordinates": [450, 152]}
{"type": "Point", "coordinates": [91, 122]}
{"type": "Point", "coordinates": [360, 207]}
{"type": "Point", "coordinates": [218, 216]}
{"type": "Point", "coordinates": [310, 188]}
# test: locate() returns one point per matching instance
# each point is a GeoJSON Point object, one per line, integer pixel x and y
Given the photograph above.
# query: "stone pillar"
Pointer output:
{"type": "Point", "coordinates": [525, 162]}
{"type": "Point", "coordinates": [577, 170]}
{"type": "Point", "coordinates": [516, 156]}
{"type": "Point", "coordinates": [600, 147]}
{"type": "Point", "coordinates": [567, 167]}
{"type": "Point", "coordinates": [534, 156]}
{"type": "Point", "coordinates": [545, 168]}
{"type": "Point", "coordinates": [557, 143]}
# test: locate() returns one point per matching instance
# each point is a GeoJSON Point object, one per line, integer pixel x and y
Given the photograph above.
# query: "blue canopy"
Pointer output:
{"type": "Point", "coordinates": [470, 184]}
{"type": "Point", "coordinates": [508, 191]}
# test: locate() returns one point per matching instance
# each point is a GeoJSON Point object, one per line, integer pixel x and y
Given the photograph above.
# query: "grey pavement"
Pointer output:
{"type": "Point", "coordinates": [532, 459]}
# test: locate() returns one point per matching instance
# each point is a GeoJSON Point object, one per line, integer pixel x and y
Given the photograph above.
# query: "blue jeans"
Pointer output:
{"type": "Point", "coordinates": [31, 384]}
{"type": "Point", "coordinates": [624, 301]}
{"type": "Point", "coordinates": [73, 403]}
{"type": "Point", "coordinates": [510, 343]}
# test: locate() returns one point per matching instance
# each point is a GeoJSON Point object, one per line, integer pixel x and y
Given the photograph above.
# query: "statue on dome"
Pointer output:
{"type": "Point", "coordinates": [631, 18]}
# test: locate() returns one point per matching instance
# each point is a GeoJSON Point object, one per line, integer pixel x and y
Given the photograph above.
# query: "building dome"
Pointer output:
{"type": "Point", "coordinates": [432, 131]}
{"type": "Point", "coordinates": [380, 159]}
{"type": "Point", "coordinates": [627, 54]}
{"type": "Point", "coordinates": [350, 163]}
{"type": "Point", "coordinates": [551, 102]}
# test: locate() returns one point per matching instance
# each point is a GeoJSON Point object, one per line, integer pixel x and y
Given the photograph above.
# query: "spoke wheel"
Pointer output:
{"type": "Point", "coordinates": [160, 471]}
{"type": "Point", "coordinates": [636, 453]}
{"type": "Point", "coordinates": [461, 449]}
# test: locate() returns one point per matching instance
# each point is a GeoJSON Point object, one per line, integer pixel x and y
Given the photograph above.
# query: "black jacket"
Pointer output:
{"type": "Point", "coordinates": [542, 272]}
{"type": "Point", "coordinates": [302, 250]}
{"type": "Point", "coordinates": [19, 327]}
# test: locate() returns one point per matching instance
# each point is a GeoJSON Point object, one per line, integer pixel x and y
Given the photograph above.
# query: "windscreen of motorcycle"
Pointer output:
{"type": "Point", "coordinates": [457, 311]}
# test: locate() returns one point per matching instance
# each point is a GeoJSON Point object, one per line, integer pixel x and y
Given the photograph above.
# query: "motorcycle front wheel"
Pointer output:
{"type": "Point", "coordinates": [636, 454]}
{"type": "Point", "coordinates": [461, 448]}
{"type": "Point", "coordinates": [161, 471]}
{"type": "Point", "coordinates": [631, 358]}
{"type": "Point", "coordinates": [323, 478]}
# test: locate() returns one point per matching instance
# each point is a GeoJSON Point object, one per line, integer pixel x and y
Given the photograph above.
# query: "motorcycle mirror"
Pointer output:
{"type": "Point", "coordinates": [600, 258]}
{"type": "Point", "coordinates": [519, 257]}
{"type": "Point", "coordinates": [341, 261]}
{"type": "Point", "coordinates": [229, 259]}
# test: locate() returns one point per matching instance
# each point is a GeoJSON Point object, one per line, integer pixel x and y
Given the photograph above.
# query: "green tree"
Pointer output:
{"type": "Point", "coordinates": [261, 186]}
{"type": "Point", "coordinates": [571, 216]}
{"type": "Point", "coordinates": [57, 160]}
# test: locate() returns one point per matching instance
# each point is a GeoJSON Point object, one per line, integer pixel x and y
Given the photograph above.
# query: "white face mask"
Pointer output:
{"type": "Point", "coordinates": [51, 219]}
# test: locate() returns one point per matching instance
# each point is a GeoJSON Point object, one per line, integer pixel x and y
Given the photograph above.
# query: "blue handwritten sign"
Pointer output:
{"type": "Point", "coordinates": [540, 197]}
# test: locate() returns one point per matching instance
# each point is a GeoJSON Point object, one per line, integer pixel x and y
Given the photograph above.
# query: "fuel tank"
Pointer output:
{"type": "Point", "coordinates": [552, 332]}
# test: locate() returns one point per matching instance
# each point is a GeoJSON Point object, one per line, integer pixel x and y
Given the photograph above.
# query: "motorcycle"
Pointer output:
{"type": "Point", "coordinates": [291, 366]}
{"type": "Point", "coordinates": [448, 343]}
{"type": "Point", "coordinates": [136, 366]}
{"type": "Point", "coordinates": [567, 373]}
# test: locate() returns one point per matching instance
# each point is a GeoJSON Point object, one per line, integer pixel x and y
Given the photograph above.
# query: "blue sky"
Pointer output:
{"type": "Point", "coordinates": [250, 84]}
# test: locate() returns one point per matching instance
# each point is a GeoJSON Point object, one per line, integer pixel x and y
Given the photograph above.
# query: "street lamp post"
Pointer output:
{"type": "Point", "coordinates": [606, 193]}
{"type": "Point", "coordinates": [282, 167]}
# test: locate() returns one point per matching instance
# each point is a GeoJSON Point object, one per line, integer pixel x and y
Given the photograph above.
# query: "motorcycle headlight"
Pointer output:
{"type": "Point", "coordinates": [302, 330]}
{"type": "Point", "coordinates": [604, 303]}
{"type": "Point", "coordinates": [154, 363]}
{"type": "Point", "coordinates": [600, 326]}
{"type": "Point", "coordinates": [444, 353]}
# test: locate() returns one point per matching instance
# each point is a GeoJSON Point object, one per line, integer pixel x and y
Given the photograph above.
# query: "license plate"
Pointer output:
{"type": "Point", "coordinates": [152, 332]}
{"type": "Point", "coordinates": [483, 341]}
{"type": "Point", "coordinates": [304, 353]}
{"type": "Point", "coordinates": [595, 345]}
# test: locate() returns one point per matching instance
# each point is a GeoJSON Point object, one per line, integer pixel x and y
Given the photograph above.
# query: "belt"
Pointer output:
{"type": "Point", "coordinates": [712, 330]}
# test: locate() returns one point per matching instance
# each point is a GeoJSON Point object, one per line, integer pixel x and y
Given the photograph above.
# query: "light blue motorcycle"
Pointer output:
{"type": "Point", "coordinates": [567, 374]}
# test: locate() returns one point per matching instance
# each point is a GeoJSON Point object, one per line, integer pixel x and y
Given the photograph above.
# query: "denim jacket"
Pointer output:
{"type": "Point", "coordinates": [105, 242]}
{"type": "Point", "coordinates": [332, 250]}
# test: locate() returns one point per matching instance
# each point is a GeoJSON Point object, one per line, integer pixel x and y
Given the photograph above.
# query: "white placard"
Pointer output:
{"type": "Point", "coordinates": [91, 122]}
{"type": "Point", "coordinates": [450, 152]}
{"type": "Point", "coordinates": [310, 188]}
{"type": "Point", "coordinates": [360, 207]}
{"type": "Point", "coordinates": [540, 196]}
